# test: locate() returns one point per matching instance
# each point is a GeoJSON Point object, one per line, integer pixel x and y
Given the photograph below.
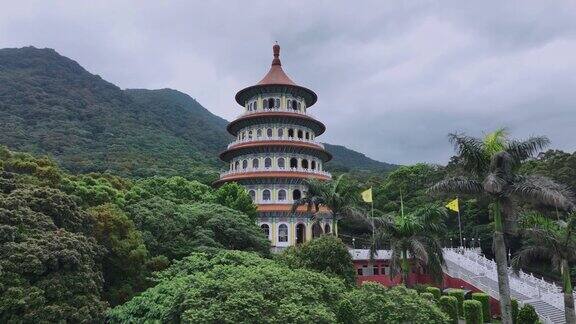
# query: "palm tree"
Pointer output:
{"type": "Point", "coordinates": [491, 165]}
{"type": "Point", "coordinates": [413, 239]}
{"type": "Point", "coordinates": [553, 240]}
{"type": "Point", "coordinates": [339, 196]}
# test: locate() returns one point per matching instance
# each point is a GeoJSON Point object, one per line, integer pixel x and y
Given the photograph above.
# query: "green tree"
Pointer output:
{"type": "Point", "coordinates": [339, 196]}
{"type": "Point", "coordinates": [491, 165]}
{"type": "Point", "coordinates": [233, 287]}
{"type": "Point", "coordinates": [373, 303]}
{"type": "Point", "coordinates": [412, 238]}
{"type": "Point", "coordinates": [327, 254]}
{"type": "Point", "coordinates": [50, 268]}
{"type": "Point", "coordinates": [123, 265]}
{"type": "Point", "coordinates": [175, 189]}
{"type": "Point", "coordinates": [236, 197]}
{"type": "Point", "coordinates": [175, 230]}
{"type": "Point", "coordinates": [554, 241]}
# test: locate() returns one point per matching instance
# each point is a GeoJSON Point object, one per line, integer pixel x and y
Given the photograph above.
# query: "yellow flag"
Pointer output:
{"type": "Point", "coordinates": [367, 195]}
{"type": "Point", "coordinates": [453, 205]}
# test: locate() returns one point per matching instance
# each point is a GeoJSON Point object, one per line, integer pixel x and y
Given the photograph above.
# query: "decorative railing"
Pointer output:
{"type": "Point", "coordinates": [472, 262]}
{"type": "Point", "coordinates": [298, 112]}
{"type": "Point", "coordinates": [274, 169]}
{"type": "Point", "coordinates": [274, 138]}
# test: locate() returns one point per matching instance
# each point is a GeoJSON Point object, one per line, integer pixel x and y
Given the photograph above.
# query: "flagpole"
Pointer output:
{"type": "Point", "coordinates": [459, 222]}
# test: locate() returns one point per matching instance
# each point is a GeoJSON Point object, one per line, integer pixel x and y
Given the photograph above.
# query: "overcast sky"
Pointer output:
{"type": "Point", "coordinates": [393, 77]}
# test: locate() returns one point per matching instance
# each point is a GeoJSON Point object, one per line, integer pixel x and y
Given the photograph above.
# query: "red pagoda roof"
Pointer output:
{"type": "Point", "coordinates": [276, 75]}
{"type": "Point", "coordinates": [276, 80]}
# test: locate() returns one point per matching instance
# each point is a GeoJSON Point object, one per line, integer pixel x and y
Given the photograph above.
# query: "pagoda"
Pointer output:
{"type": "Point", "coordinates": [275, 152]}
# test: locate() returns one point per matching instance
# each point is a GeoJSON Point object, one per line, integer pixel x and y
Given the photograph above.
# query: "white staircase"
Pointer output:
{"type": "Point", "coordinates": [470, 266]}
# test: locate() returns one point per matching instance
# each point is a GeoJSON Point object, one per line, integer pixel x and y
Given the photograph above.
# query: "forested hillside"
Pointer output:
{"type": "Point", "coordinates": [346, 160]}
{"type": "Point", "coordinates": [50, 105]}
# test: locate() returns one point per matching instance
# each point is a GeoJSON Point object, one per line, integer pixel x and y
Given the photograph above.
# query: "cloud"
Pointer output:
{"type": "Point", "coordinates": [393, 78]}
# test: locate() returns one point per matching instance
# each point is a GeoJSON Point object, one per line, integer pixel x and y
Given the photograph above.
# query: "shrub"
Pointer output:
{"type": "Point", "coordinates": [428, 296]}
{"type": "Point", "coordinates": [473, 312]}
{"type": "Point", "coordinates": [527, 315]}
{"type": "Point", "coordinates": [514, 311]}
{"type": "Point", "coordinates": [449, 305]}
{"type": "Point", "coordinates": [485, 300]}
{"type": "Point", "coordinates": [374, 303]}
{"type": "Point", "coordinates": [434, 291]}
{"type": "Point", "coordinates": [327, 254]}
{"type": "Point", "coordinates": [420, 288]}
{"type": "Point", "coordinates": [459, 294]}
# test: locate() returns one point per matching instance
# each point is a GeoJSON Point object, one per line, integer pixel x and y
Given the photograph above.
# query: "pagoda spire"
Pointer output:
{"type": "Point", "coordinates": [276, 51]}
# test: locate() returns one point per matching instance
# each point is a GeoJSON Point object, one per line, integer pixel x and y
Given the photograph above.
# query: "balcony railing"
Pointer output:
{"type": "Point", "coordinates": [274, 169]}
{"type": "Point", "coordinates": [299, 112]}
{"type": "Point", "coordinates": [274, 138]}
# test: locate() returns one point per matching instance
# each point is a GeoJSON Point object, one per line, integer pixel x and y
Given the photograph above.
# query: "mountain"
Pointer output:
{"type": "Point", "coordinates": [50, 105]}
{"type": "Point", "coordinates": [345, 160]}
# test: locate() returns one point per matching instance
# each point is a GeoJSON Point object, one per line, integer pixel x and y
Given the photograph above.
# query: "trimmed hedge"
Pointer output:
{"type": "Point", "coordinates": [449, 305]}
{"type": "Point", "coordinates": [428, 296]}
{"type": "Point", "coordinates": [485, 300]}
{"type": "Point", "coordinates": [459, 294]}
{"type": "Point", "coordinates": [473, 312]}
{"type": "Point", "coordinates": [528, 315]}
{"type": "Point", "coordinates": [514, 311]}
{"type": "Point", "coordinates": [434, 291]}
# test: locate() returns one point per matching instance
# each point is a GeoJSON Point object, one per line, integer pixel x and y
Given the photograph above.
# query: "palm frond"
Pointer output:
{"type": "Point", "coordinates": [471, 151]}
{"type": "Point", "coordinates": [418, 251]}
{"type": "Point", "coordinates": [522, 150]}
{"type": "Point", "coordinates": [495, 142]}
{"type": "Point", "coordinates": [543, 190]}
{"type": "Point", "coordinates": [460, 185]}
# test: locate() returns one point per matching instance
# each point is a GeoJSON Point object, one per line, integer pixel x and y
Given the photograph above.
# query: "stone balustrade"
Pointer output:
{"type": "Point", "coordinates": [274, 138]}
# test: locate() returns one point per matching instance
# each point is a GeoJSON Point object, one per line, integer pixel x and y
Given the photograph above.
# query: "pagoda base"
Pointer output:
{"type": "Point", "coordinates": [285, 228]}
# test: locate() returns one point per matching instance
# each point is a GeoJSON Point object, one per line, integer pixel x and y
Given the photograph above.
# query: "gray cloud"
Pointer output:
{"type": "Point", "coordinates": [392, 78]}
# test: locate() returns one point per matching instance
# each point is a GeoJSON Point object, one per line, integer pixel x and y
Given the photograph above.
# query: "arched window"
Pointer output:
{"type": "Point", "coordinates": [307, 135]}
{"type": "Point", "coordinates": [327, 229]}
{"type": "Point", "coordinates": [269, 132]}
{"type": "Point", "coordinates": [294, 105]}
{"type": "Point", "coordinates": [280, 132]}
{"type": "Point", "coordinates": [252, 194]}
{"type": "Point", "coordinates": [283, 233]}
{"type": "Point", "coordinates": [304, 164]}
{"type": "Point", "coordinates": [290, 132]}
{"type": "Point", "coordinates": [289, 103]}
{"type": "Point", "coordinates": [300, 134]}
{"type": "Point", "coordinates": [294, 163]}
{"type": "Point", "coordinates": [313, 165]}
{"type": "Point", "coordinates": [271, 103]}
{"type": "Point", "coordinates": [265, 103]}
{"type": "Point", "coordinates": [265, 229]}
{"type": "Point", "coordinates": [277, 103]}
{"type": "Point", "coordinates": [296, 194]}
{"type": "Point", "coordinates": [266, 195]}
{"type": "Point", "coordinates": [299, 105]}
{"type": "Point", "coordinates": [244, 164]}
{"type": "Point", "coordinates": [281, 163]}
{"type": "Point", "coordinates": [243, 135]}
{"type": "Point", "coordinates": [250, 134]}
{"type": "Point", "coordinates": [255, 163]}
{"type": "Point", "coordinates": [267, 162]}
{"type": "Point", "coordinates": [255, 105]}
{"type": "Point", "coordinates": [282, 194]}
{"type": "Point", "coordinates": [259, 133]}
